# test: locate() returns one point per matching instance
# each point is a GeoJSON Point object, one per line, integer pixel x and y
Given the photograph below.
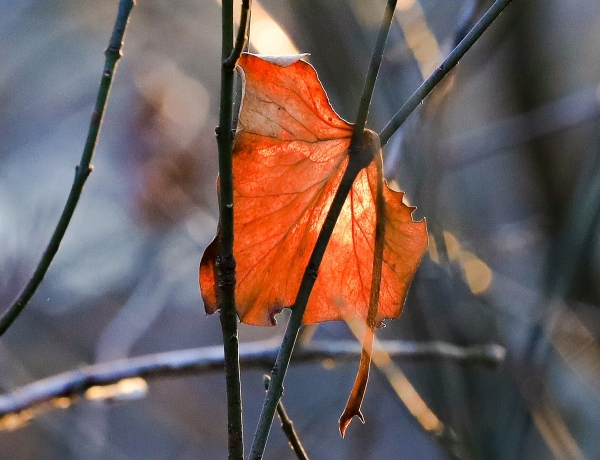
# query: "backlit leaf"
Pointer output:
{"type": "Point", "coordinates": [289, 155]}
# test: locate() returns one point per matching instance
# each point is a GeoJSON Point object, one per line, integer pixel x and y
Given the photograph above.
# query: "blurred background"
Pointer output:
{"type": "Point", "coordinates": [502, 159]}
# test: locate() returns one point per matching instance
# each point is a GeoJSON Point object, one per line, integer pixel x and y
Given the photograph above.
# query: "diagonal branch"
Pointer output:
{"type": "Point", "coordinates": [438, 74]}
{"type": "Point", "coordinates": [210, 359]}
{"type": "Point", "coordinates": [360, 156]}
{"type": "Point", "coordinates": [82, 171]}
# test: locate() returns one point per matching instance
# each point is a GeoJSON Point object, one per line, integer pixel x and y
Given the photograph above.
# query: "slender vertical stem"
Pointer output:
{"type": "Point", "coordinates": [82, 171]}
{"type": "Point", "coordinates": [376, 57]}
{"type": "Point", "coordinates": [360, 384]}
{"type": "Point", "coordinates": [361, 155]}
{"type": "Point", "coordinates": [241, 40]}
{"type": "Point", "coordinates": [225, 262]}
{"type": "Point", "coordinates": [438, 74]}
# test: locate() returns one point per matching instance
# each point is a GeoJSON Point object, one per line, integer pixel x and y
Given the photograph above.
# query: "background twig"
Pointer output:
{"type": "Point", "coordinates": [82, 171]}
{"type": "Point", "coordinates": [210, 359]}
{"type": "Point", "coordinates": [427, 86]}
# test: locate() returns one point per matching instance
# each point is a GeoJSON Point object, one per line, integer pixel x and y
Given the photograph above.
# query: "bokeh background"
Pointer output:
{"type": "Point", "coordinates": [502, 160]}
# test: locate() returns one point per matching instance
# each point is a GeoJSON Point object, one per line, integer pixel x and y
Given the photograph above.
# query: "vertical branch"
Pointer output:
{"type": "Point", "coordinates": [225, 262]}
{"type": "Point", "coordinates": [376, 57]}
{"type": "Point", "coordinates": [361, 155]}
{"type": "Point", "coordinates": [82, 171]}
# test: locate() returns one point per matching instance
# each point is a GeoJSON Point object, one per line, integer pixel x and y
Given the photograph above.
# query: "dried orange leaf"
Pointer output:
{"type": "Point", "coordinates": [290, 152]}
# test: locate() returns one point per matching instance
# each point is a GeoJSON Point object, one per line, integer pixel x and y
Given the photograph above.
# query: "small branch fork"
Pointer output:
{"type": "Point", "coordinates": [287, 426]}
{"type": "Point", "coordinates": [210, 359]}
{"type": "Point", "coordinates": [241, 40]}
{"type": "Point", "coordinates": [82, 171]}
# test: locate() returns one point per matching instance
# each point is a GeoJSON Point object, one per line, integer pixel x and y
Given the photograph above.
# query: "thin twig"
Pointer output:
{"type": "Point", "coordinates": [242, 36]}
{"type": "Point", "coordinates": [82, 171]}
{"type": "Point", "coordinates": [377, 56]}
{"type": "Point", "coordinates": [438, 74]}
{"type": "Point", "coordinates": [225, 262]}
{"type": "Point", "coordinates": [210, 359]}
{"type": "Point", "coordinates": [287, 426]}
{"type": "Point", "coordinates": [360, 156]}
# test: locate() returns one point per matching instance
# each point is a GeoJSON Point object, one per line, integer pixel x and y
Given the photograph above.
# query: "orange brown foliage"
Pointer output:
{"type": "Point", "coordinates": [290, 152]}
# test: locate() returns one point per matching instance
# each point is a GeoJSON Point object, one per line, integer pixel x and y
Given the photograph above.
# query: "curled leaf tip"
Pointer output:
{"type": "Point", "coordinates": [347, 417]}
{"type": "Point", "coordinates": [272, 312]}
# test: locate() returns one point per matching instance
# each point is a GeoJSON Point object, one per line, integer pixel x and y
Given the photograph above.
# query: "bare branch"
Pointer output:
{"type": "Point", "coordinates": [113, 53]}
{"type": "Point", "coordinates": [209, 359]}
{"type": "Point", "coordinates": [287, 426]}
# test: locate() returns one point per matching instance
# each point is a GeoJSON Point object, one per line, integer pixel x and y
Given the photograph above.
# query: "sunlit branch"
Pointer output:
{"type": "Point", "coordinates": [258, 355]}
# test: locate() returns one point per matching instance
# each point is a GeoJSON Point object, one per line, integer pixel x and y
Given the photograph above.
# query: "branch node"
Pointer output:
{"type": "Point", "coordinates": [96, 117]}
{"type": "Point", "coordinates": [225, 265]}
{"type": "Point", "coordinates": [114, 51]}
{"type": "Point", "coordinates": [313, 270]}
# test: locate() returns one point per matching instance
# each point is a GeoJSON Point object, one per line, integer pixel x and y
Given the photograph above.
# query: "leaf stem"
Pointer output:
{"type": "Point", "coordinates": [360, 384]}
{"type": "Point", "coordinates": [225, 262]}
{"type": "Point", "coordinates": [438, 74]}
{"type": "Point", "coordinates": [82, 171]}
{"type": "Point", "coordinates": [287, 426]}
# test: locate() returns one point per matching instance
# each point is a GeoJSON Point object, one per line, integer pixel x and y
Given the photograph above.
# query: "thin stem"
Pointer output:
{"type": "Point", "coordinates": [287, 426]}
{"type": "Point", "coordinates": [242, 36]}
{"type": "Point", "coordinates": [254, 355]}
{"type": "Point", "coordinates": [376, 57]}
{"type": "Point", "coordinates": [360, 384]}
{"type": "Point", "coordinates": [225, 261]}
{"type": "Point", "coordinates": [82, 171]}
{"type": "Point", "coordinates": [438, 74]}
{"type": "Point", "coordinates": [361, 154]}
